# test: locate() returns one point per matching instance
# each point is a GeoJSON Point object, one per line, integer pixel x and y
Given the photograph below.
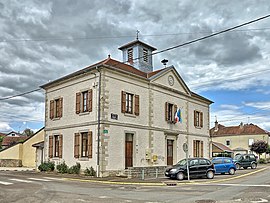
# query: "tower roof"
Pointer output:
{"type": "Point", "coordinates": [137, 42]}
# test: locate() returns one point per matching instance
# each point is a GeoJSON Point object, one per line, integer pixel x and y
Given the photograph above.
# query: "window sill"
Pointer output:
{"type": "Point", "coordinates": [55, 158]}
{"type": "Point", "coordinates": [130, 115]}
{"type": "Point", "coordinates": [55, 119]}
{"type": "Point", "coordinates": [84, 113]}
{"type": "Point", "coordinates": [83, 159]}
{"type": "Point", "coordinates": [198, 127]}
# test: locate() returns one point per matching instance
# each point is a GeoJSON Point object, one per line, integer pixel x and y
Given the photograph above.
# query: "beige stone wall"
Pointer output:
{"type": "Point", "coordinates": [29, 152]}
{"type": "Point", "coordinates": [14, 152]}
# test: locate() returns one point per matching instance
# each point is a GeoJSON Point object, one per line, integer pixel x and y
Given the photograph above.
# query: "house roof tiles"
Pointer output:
{"type": "Point", "coordinates": [247, 129]}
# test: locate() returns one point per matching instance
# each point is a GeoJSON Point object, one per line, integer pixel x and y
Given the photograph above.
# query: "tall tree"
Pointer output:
{"type": "Point", "coordinates": [28, 132]}
{"type": "Point", "coordinates": [259, 147]}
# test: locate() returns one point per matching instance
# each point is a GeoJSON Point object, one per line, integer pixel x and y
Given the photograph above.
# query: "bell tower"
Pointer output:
{"type": "Point", "coordinates": [138, 54]}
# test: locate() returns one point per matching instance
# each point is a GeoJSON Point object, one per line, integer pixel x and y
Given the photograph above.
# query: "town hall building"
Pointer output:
{"type": "Point", "coordinates": [116, 115]}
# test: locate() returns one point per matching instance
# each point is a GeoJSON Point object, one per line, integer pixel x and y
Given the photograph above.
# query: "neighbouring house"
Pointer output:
{"type": "Point", "coordinates": [238, 138]}
{"type": "Point", "coordinates": [220, 150]}
{"type": "Point", "coordinates": [23, 153]}
{"type": "Point", "coordinates": [12, 138]}
{"type": "Point", "coordinates": [116, 115]}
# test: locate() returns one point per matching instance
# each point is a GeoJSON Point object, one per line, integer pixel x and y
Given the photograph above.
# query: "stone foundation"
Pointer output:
{"type": "Point", "coordinates": [10, 163]}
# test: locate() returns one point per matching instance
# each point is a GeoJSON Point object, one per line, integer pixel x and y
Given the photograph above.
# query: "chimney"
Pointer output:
{"type": "Point", "coordinates": [216, 126]}
{"type": "Point", "coordinates": [241, 125]}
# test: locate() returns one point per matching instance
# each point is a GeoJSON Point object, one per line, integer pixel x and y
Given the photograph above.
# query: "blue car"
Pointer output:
{"type": "Point", "coordinates": [224, 165]}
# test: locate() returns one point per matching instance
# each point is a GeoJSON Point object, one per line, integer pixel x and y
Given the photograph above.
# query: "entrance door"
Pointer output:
{"type": "Point", "coordinates": [129, 150]}
{"type": "Point", "coordinates": [169, 152]}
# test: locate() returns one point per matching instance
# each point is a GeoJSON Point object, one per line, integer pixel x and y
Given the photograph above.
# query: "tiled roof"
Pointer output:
{"type": "Point", "coordinates": [222, 147]}
{"type": "Point", "coordinates": [8, 140]}
{"type": "Point", "coordinates": [246, 129]}
{"type": "Point", "coordinates": [2, 135]}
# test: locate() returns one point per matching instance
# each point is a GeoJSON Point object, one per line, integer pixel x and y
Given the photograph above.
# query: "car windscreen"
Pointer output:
{"type": "Point", "coordinates": [237, 157]}
{"type": "Point", "coordinates": [182, 162]}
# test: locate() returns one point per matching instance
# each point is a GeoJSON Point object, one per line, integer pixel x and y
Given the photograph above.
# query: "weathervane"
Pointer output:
{"type": "Point", "coordinates": [137, 34]}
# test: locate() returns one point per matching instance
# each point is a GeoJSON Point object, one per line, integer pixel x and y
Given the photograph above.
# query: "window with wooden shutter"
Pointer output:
{"type": "Point", "coordinates": [166, 111]}
{"type": "Point", "coordinates": [51, 109]}
{"type": "Point", "coordinates": [61, 107]}
{"type": "Point", "coordinates": [76, 145]}
{"type": "Point", "coordinates": [201, 119]}
{"type": "Point", "coordinates": [123, 102]}
{"type": "Point", "coordinates": [130, 55]}
{"type": "Point", "coordinates": [174, 112]}
{"type": "Point", "coordinates": [194, 149]}
{"type": "Point", "coordinates": [90, 145]}
{"type": "Point", "coordinates": [56, 145]}
{"type": "Point", "coordinates": [201, 148]}
{"type": "Point", "coordinates": [90, 100]}
{"type": "Point", "coordinates": [78, 102]}
{"type": "Point", "coordinates": [137, 105]}
{"type": "Point", "coordinates": [60, 146]}
{"type": "Point", "coordinates": [50, 146]}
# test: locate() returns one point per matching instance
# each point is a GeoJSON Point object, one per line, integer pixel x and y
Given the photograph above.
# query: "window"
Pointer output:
{"type": "Point", "coordinates": [83, 145]}
{"type": "Point", "coordinates": [227, 161]}
{"type": "Point", "coordinates": [194, 162]}
{"type": "Point", "coordinates": [228, 142]}
{"type": "Point", "coordinates": [145, 55]}
{"type": "Point", "coordinates": [170, 110]}
{"type": "Point", "coordinates": [250, 142]}
{"type": "Point", "coordinates": [202, 162]}
{"type": "Point", "coordinates": [217, 161]}
{"type": "Point", "coordinates": [84, 101]}
{"type": "Point", "coordinates": [130, 55]}
{"type": "Point", "coordinates": [55, 146]}
{"type": "Point", "coordinates": [197, 148]}
{"type": "Point", "coordinates": [130, 103]}
{"type": "Point", "coordinates": [56, 108]}
{"type": "Point", "coordinates": [198, 119]}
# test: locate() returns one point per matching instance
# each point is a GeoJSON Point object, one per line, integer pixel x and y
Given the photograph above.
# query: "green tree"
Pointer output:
{"type": "Point", "coordinates": [259, 147]}
{"type": "Point", "coordinates": [28, 132]}
{"type": "Point", "coordinates": [1, 140]}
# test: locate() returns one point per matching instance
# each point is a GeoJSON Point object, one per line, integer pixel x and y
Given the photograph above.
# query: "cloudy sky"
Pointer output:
{"type": "Point", "coordinates": [44, 40]}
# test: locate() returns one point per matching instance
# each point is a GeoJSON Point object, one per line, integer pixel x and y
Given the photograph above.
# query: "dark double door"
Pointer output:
{"type": "Point", "coordinates": [169, 152]}
{"type": "Point", "coordinates": [129, 151]}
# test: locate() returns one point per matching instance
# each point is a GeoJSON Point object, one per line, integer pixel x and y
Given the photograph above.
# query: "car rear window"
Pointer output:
{"type": "Point", "coordinates": [217, 161]}
{"type": "Point", "coordinates": [227, 161]}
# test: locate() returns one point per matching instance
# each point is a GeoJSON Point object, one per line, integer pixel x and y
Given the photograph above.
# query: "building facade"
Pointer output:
{"type": "Point", "coordinates": [113, 115]}
{"type": "Point", "coordinates": [238, 138]}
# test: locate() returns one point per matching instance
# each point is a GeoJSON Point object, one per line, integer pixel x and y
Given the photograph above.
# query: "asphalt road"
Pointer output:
{"type": "Point", "coordinates": [24, 187]}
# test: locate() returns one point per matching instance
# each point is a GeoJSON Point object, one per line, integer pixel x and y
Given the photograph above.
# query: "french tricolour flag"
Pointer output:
{"type": "Point", "coordinates": [178, 116]}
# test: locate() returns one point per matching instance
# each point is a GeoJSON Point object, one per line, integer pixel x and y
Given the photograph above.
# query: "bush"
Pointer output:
{"type": "Point", "coordinates": [75, 169]}
{"type": "Point", "coordinates": [89, 171]}
{"type": "Point", "coordinates": [46, 166]}
{"type": "Point", "coordinates": [262, 161]}
{"type": "Point", "coordinates": [62, 168]}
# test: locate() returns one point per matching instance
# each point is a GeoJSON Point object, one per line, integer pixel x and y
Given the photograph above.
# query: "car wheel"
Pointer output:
{"type": "Point", "coordinates": [237, 166]}
{"type": "Point", "coordinates": [253, 165]}
{"type": "Point", "coordinates": [232, 171]}
{"type": "Point", "coordinates": [180, 176]}
{"type": "Point", "coordinates": [210, 174]}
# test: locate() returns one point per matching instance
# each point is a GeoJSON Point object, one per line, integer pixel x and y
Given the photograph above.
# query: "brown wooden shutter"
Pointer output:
{"type": "Point", "coordinates": [123, 102]}
{"type": "Point", "coordinates": [175, 110]}
{"type": "Point", "coordinates": [60, 107]}
{"type": "Point", "coordinates": [90, 100]}
{"type": "Point", "coordinates": [51, 109]}
{"type": "Point", "coordinates": [90, 145]}
{"type": "Point", "coordinates": [76, 145]}
{"type": "Point", "coordinates": [50, 146]}
{"type": "Point", "coordinates": [78, 102]}
{"type": "Point", "coordinates": [60, 146]}
{"type": "Point", "coordinates": [194, 148]}
{"type": "Point", "coordinates": [166, 111]}
{"type": "Point", "coordinates": [195, 118]}
{"type": "Point", "coordinates": [201, 148]}
{"type": "Point", "coordinates": [137, 105]}
{"type": "Point", "coordinates": [201, 119]}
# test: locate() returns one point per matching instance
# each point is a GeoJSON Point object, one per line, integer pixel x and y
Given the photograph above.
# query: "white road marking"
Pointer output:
{"type": "Point", "coordinates": [50, 178]}
{"type": "Point", "coordinates": [5, 183]}
{"type": "Point", "coordinates": [235, 185]}
{"type": "Point", "coordinates": [23, 181]}
{"type": "Point", "coordinates": [103, 197]}
{"type": "Point", "coordinates": [261, 200]}
{"type": "Point", "coordinates": [39, 179]}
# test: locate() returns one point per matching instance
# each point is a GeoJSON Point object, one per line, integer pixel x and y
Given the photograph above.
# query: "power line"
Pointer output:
{"type": "Point", "coordinates": [118, 37]}
{"type": "Point", "coordinates": [168, 49]}
{"type": "Point", "coordinates": [21, 94]}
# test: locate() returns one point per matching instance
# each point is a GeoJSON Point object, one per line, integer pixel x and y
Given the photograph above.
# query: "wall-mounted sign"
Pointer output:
{"type": "Point", "coordinates": [114, 116]}
{"type": "Point", "coordinates": [105, 131]}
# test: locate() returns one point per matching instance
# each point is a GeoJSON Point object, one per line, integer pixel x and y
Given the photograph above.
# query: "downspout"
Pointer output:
{"type": "Point", "coordinates": [98, 133]}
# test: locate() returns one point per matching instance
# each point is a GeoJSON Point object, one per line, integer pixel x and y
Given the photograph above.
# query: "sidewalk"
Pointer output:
{"type": "Point", "coordinates": [16, 169]}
